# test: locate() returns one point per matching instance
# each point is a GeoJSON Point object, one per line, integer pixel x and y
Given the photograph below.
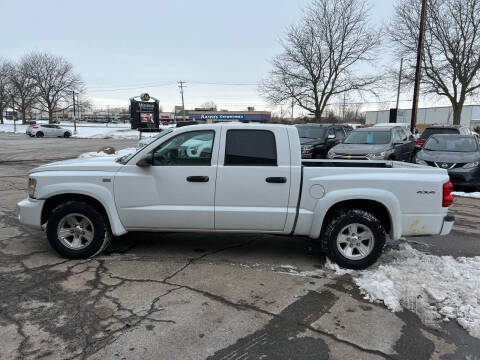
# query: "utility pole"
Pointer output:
{"type": "Point", "coordinates": [13, 116]}
{"type": "Point", "coordinates": [416, 89]}
{"type": "Point", "coordinates": [74, 117]}
{"type": "Point", "coordinates": [181, 86]}
{"type": "Point", "coordinates": [292, 109]}
{"type": "Point", "coordinates": [399, 81]}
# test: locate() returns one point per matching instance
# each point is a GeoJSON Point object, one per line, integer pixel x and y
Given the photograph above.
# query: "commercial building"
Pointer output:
{"type": "Point", "coordinates": [435, 115]}
{"type": "Point", "coordinates": [210, 116]}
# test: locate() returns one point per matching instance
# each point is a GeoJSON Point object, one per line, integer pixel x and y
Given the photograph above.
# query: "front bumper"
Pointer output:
{"type": "Point", "coordinates": [447, 226]}
{"type": "Point", "coordinates": [29, 212]}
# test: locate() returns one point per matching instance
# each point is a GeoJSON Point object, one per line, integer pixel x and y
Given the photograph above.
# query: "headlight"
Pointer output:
{"type": "Point", "coordinates": [470, 165]}
{"type": "Point", "coordinates": [307, 148]}
{"type": "Point", "coordinates": [32, 183]}
{"type": "Point", "coordinates": [377, 156]}
{"type": "Point", "coordinates": [331, 154]}
{"type": "Point", "coordinates": [421, 162]}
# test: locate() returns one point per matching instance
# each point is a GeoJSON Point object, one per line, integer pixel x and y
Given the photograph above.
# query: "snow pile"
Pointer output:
{"type": "Point", "coordinates": [435, 287]}
{"type": "Point", "coordinates": [119, 153]}
{"type": "Point", "coordinates": [475, 195]}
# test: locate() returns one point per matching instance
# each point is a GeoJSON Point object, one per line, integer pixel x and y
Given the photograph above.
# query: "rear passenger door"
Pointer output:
{"type": "Point", "coordinates": [253, 180]}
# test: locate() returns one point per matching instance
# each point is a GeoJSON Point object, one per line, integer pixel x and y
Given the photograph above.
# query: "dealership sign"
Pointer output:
{"type": "Point", "coordinates": [223, 116]}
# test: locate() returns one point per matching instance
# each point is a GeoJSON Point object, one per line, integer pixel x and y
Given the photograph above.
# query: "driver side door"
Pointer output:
{"type": "Point", "coordinates": [177, 191]}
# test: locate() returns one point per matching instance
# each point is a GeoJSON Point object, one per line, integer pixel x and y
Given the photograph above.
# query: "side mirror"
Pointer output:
{"type": "Point", "coordinates": [146, 160]}
{"type": "Point", "coordinates": [331, 136]}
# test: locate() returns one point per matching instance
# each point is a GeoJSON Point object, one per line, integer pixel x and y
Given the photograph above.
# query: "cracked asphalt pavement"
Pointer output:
{"type": "Point", "coordinates": [197, 296]}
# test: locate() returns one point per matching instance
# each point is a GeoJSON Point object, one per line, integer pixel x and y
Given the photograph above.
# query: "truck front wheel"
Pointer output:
{"type": "Point", "coordinates": [353, 239]}
{"type": "Point", "coordinates": [77, 230]}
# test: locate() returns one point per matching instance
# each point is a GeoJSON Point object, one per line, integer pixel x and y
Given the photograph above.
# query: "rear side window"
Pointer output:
{"type": "Point", "coordinates": [430, 131]}
{"type": "Point", "coordinates": [250, 148]}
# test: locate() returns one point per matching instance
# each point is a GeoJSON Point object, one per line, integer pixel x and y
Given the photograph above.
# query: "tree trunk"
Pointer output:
{"type": "Point", "coordinates": [50, 116]}
{"type": "Point", "coordinates": [457, 113]}
{"type": "Point", "coordinates": [24, 118]}
{"type": "Point", "coordinates": [318, 115]}
{"type": "Point", "coordinates": [1, 115]}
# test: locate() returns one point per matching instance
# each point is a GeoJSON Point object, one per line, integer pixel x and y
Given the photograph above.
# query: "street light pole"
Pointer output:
{"type": "Point", "coordinates": [418, 70]}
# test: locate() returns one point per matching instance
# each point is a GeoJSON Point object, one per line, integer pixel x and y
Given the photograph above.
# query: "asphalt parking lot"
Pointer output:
{"type": "Point", "coordinates": [198, 296]}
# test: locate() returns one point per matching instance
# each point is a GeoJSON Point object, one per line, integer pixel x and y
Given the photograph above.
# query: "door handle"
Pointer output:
{"type": "Point", "coordinates": [276, 180]}
{"type": "Point", "coordinates": [197, 179]}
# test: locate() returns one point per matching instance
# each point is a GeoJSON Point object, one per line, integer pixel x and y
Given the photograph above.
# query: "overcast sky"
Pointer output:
{"type": "Point", "coordinates": [122, 48]}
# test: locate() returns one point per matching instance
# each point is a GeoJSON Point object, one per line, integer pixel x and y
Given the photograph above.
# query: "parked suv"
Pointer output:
{"type": "Point", "coordinates": [458, 154]}
{"type": "Point", "coordinates": [40, 130]}
{"type": "Point", "coordinates": [442, 129]}
{"type": "Point", "coordinates": [317, 139]}
{"type": "Point", "coordinates": [376, 143]}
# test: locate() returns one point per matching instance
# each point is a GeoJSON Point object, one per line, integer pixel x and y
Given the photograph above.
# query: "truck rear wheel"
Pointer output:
{"type": "Point", "coordinates": [77, 230]}
{"type": "Point", "coordinates": [353, 239]}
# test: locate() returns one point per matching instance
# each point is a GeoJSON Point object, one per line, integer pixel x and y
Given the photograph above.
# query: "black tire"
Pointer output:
{"type": "Point", "coordinates": [39, 134]}
{"type": "Point", "coordinates": [101, 230]}
{"type": "Point", "coordinates": [67, 134]}
{"type": "Point", "coordinates": [338, 222]}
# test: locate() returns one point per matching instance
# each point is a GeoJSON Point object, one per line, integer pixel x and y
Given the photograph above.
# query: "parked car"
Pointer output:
{"type": "Point", "coordinates": [458, 154]}
{"type": "Point", "coordinates": [441, 129]}
{"type": "Point", "coordinates": [317, 139]}
{"type": "Point", "coordinates": [376, 143]}
{"type": "Point", "coordinates": [253, 180]}
{"type": "Point", "coordinates": [41, 130]}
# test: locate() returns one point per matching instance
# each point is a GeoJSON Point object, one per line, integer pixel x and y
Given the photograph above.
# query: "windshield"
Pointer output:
{"type": "Point", "coordinates": [368, 137]}
{"type": "Point", "coordinates": [312, 132]}
{"type": "Point", "coordinates": [126, 158]}
{"type": "Point", "coordinates": [451, 143]}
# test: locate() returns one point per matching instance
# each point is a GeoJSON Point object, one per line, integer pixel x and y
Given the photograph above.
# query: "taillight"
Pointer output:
{"type": "Point", "coordinates": [35, 127]}
{"type": "Point", "coordinates": [420, 142]}
{"type": "Point", "coordinates": [447, 194]}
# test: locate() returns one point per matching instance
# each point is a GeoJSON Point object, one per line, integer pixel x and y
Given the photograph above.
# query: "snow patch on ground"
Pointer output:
{"type": "Point", "coordinates": [436, 288]}
{"type": "Point", "coordinates": [119, 153]}
{"type": "Point", "coordinates": [475, 195]}
{"type": "Point", "coordinates": [91, 131]}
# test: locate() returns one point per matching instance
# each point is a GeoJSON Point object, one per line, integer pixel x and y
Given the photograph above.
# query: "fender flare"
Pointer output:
{"type": "Point", "coordinates": [386, 198]}
{"type": "Point", "coordinates": [99, 193]}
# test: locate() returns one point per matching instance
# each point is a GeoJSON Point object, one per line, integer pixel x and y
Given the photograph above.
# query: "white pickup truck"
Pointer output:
{"type": "Point", "coordinates": [236, 178]}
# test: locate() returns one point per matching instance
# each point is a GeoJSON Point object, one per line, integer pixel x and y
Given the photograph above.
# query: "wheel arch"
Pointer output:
{"type": "Point", "coordinates": [52, 202]}
{"type": "Point", "coordinates": [381, 204]}
{"type": "Point", "coordinates": [376, 208]}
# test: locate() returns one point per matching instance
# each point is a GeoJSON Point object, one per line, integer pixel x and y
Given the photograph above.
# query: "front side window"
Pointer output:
{"type": "Point", "coordinates": [397, 135]}
{"type": "Point", "coordinates": [339, 133]}
{"type": "Point", "coordinates": [250, 148]}
{"type": "Point", "coordinates": [192, 148]}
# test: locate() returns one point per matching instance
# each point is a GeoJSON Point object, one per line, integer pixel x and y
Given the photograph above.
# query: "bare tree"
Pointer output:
{"type": "Point", "coordinates": [451, 58]}
{"type": "Point", "coordinates": [209, 105]}
{"type": "Point", "coordinates": [54, 79]}
{"type": "Point", "coordinates": [5, 89]}
{"type": "Point", "coordinates": [319, 55]}
{"type": "Point", "coordinates": [23, 88]}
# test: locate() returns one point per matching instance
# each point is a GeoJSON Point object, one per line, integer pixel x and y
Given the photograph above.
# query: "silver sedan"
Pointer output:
{"type": "Point", "coordinates": [41, 130]}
